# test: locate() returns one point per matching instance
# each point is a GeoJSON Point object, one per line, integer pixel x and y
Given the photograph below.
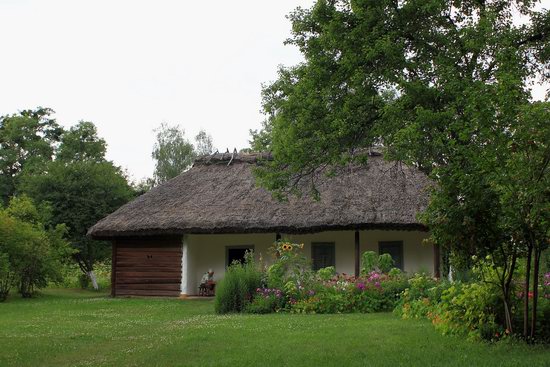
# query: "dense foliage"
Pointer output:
{"type": "Point", "coordinates": [31, 254]}
{"type": "Point", "coordinates": [289, 285]}
{"type": "Point", "coordinates": [66, 174]}
{"type": "Point", "coordinates": [235, 291]}
{"type": "Point", "coordinates": [471, 308]}
{"type": "Point", "coordinates": [443, 86]}
{"type": "Point", "coordinates": [173, 153]}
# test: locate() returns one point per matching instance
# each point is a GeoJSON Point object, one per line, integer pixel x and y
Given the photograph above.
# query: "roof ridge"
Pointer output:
{"type": "Point", "coordinates": [248, 157]}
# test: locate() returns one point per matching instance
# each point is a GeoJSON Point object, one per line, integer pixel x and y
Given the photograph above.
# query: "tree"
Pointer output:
{"type": "Point", "coordinates": [524, 184]}
{"type": "Point", "coordinates": [81, 143]}
{"type": "Point", "coordinates": [80, 187]}
{"type": "Point", "coordinates": [204, 144]}
{"type": "Point", "coordinates": [428, 79]}
{"type": "Point", "coordinates": [31, 254]}
{"type": "Point", "coordinates": [441, 85]}
{"type": "Point", "coordinates": [27, 140]}
{"type": "Point", "coordinates": [172, 152]}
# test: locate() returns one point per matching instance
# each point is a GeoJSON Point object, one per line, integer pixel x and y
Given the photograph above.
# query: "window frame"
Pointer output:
{"type": "Point", "coordinates": [324, 243]}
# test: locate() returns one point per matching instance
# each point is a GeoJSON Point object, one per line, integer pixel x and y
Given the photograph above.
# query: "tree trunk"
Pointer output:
{"type": "Point", "coordinates": [506, 288]}
{"type": "Point", "coordinates": [536, 268]}
{"type": "Point", "coordinates": [93, 279]}
{"type": "Point", "coordinates": [526, 293]}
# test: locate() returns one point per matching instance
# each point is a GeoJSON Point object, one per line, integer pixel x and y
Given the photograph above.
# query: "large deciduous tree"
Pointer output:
{"type": "Point", "coordinates": [443, 85]}
{"type": "Point", "coordinates": [27, 141]}
{"type": "Point", "coordinates": [172, 153]}
{"type": "Point", "coordinates": [203, 143]}
{"type": "Point", "coordinates": [81, 187]}
{"type": "Point", "coordinates": [31, 253]}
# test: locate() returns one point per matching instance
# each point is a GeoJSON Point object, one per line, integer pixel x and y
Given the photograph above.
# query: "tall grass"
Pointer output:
{"type": "Point", "coordinates": [238, 286]}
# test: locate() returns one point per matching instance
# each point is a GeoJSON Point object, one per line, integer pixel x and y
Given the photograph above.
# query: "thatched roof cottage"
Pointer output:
{"type": "Point", "coordinates": [205, 218]}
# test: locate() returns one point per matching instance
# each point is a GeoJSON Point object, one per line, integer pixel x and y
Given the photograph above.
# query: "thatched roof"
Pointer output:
{"type": "Point", "coordinates": [219, 195]}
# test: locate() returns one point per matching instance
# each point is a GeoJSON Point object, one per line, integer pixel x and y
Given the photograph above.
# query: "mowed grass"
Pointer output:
{"type": "Point", "coordinates": [80, 328]}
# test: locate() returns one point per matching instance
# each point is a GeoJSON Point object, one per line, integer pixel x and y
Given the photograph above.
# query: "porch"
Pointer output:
{"type": "Point", "coordinates": [341, 249]}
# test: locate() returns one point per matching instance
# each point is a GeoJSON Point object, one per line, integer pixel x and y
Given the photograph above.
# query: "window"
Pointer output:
{"type": "Point", "coordinates": [395, 249]}
{"type": "Point", "coordinates": [236, 253]}
{"type": "Point", "coordinates": [322, 255]}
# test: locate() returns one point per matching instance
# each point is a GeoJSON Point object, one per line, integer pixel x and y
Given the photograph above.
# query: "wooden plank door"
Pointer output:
{"type": "Point", "coordinates": [147, 269]}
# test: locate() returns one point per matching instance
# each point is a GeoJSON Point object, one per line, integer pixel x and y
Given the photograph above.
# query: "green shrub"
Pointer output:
{"type": "Point", "coordinates": [385, 263]}
{"type": "Point", "coordinates": [369, 262]}
{"type": "Point", "coordinates": [266, 300]}
{"type": "Point", "coordinates": [395, 272]}
{"type": "Point", "coordinates": [238, 286]}
{"type": "Point", "coordinates": [373, 293]}
{"type": "Point", "coordinates": [34, 254]}
{"type": "Point", "coordinates": [328, 301]}
{"type": "Point", "coordinates": [326, 273]}
{"type": "Point", "coordinates": [290, 265]}
{"type": "Point", "coordinates": [420, 297]}
{"type": "Point", "coordinates": [73, 277]}
{"type": "Point", "coordinates": [468, 309]}
{"type": "Point", "coordinates": [6, 276]}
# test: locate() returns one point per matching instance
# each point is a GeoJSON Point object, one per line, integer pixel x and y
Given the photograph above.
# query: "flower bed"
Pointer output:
{"type": "Point", "coordinates": [289, 285]}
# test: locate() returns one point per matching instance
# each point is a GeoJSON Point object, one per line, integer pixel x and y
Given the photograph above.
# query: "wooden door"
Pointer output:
{"type": "Point", "coordinates": [147, 269]}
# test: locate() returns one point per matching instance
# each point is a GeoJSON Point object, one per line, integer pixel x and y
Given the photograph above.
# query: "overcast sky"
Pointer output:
{"type": "Point", "coordinates": [127, 66]}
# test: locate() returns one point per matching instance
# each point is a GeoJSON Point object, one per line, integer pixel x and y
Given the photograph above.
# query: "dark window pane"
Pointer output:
{"type": "Point", "coordinates": [395, 249]}
{"type": "Point", "coordinates": [237, 253]}
{"type": "Point", "coordinates": [322, 255]}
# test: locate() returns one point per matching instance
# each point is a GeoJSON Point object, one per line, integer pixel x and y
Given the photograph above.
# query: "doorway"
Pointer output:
{"type": "Point", "coordinates": [236, 253]}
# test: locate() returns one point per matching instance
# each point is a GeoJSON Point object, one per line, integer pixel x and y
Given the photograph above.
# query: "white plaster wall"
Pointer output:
{"type": "Point", "coordinates": [416, 256]}
{"type": "Point", "coordinates": [207, 251]}
{"type": "Point", "coordinates": [344, 247]}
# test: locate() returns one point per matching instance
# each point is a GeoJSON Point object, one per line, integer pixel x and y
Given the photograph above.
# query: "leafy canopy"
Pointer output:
{"type": "Point", "coordinates": [433, 81]}
{"type": "Point", "coordinates": [172, 152]}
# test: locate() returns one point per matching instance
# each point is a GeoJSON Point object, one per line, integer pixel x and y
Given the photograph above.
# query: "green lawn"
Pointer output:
{"type": "Point", "coordinates": [80, 328]}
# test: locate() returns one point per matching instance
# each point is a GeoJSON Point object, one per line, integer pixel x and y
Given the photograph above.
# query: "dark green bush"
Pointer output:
{"type": "Point", "coordinates": [6, 281]}
{"type": "Point", "coordinates": [238, 286]}
{"type": "Point", "coordinates": [32, 254]}
{"type": "Point", "coordinates": [263, 304]}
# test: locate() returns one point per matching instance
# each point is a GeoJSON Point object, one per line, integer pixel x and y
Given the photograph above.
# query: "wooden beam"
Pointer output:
{"type": "Point", "coordinates": [357, 254]}
{"type": "Point", "coordinates": [277, 236]}
{"type": "Point", "coordinates": [437, 261]}
{"type": "Point", "coordinates": [113, 268]}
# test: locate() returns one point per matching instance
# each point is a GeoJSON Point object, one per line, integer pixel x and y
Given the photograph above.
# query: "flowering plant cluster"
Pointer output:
{"type": "Point", "coordinates": [268, 292]}
{"type": "Point", "coordinates": [291, 286]}
{"type": "Point", "coordinates": [284, 247]}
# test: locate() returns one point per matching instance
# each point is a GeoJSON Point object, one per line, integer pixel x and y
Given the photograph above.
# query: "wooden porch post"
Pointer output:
{"type": "Point", "coordinates": [357, 254]}
{"type": "Point", "coordinates": [437, 261]}
{"type": "Point", "coordinates": [277, 236]}
{"type": "Point", "coordinates": [113, 268]}
{"type": "Point", "coordinates": [185, 284]}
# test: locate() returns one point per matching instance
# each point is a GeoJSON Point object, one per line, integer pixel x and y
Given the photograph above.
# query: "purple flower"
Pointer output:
{"type": "Point", "coordinates": [311, 292]}
{"type": "Point", "coordinates": [361, 286]}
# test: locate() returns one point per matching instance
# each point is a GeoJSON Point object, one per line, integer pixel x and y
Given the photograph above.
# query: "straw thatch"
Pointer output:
{"type": "Point", "coordinates": [219, 195]}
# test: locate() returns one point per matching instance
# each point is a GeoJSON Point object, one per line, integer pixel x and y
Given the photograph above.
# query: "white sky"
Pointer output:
{"type": "Point", "coordinates": [128, 65]}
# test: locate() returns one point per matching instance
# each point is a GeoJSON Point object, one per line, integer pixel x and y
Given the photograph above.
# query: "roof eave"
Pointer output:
{"type": "Point", "coordinates": [110, 234]}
